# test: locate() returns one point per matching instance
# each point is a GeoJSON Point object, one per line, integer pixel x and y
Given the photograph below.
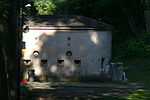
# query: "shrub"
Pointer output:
{"type": "Point", "coordinates": [132, 48]}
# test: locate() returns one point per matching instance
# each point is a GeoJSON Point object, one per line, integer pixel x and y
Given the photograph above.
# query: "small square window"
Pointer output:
{"type": "Point", "coordinates": [23, 45]}
{"type": "Point", "coordinates": [27, 62]}
{"type": "Point", "coordinates": [44, 62]}
{"type": "Point", "coordinates": [69, 53]}
{"type": "Point", "coordinates": [60, 63]}
{"type": "Point", "coordinates": [77, 63]}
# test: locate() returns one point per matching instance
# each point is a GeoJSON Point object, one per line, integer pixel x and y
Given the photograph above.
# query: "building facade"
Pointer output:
{"type": "Point", "coordinates": [65, 46]}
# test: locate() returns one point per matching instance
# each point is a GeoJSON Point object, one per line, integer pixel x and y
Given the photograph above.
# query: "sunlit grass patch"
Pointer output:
{"type": "Point", "coordinates": [138, 70]}
{"type": "Point", "coordinates": [140, 94]}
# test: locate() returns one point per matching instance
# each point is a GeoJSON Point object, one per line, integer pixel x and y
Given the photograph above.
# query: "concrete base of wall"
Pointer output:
{"type": "Point", "coordinates": [92, 78]}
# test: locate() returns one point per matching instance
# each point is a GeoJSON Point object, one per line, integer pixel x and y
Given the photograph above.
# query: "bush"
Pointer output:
{"type": "Point", "coordinates": [132, 48]}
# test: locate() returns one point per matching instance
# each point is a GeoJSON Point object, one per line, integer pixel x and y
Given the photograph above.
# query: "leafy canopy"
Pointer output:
{"type": "Point", "coordinates": [45, 7]}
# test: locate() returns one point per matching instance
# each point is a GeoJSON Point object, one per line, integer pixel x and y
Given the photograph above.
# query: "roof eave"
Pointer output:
{"type": "Point", "coordinates": [70, 28]}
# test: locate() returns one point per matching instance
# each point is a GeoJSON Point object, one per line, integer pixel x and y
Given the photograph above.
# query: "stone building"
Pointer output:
{"type": "Point", "coordinates": [65, 46]}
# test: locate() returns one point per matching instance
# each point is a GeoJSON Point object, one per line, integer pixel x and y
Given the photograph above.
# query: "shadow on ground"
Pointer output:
{"type": "Point", "coordinates": [82, 93]}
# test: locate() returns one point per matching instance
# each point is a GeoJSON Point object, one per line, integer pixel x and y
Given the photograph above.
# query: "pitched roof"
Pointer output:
{"type": "Point", "coordinates": [70, 21]}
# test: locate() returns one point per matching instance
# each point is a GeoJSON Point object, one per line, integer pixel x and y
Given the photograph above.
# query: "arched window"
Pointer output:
{"type": "Point", "coordinates": [68, 53]}
{"type": "Point", "coordinates": [36, 53]}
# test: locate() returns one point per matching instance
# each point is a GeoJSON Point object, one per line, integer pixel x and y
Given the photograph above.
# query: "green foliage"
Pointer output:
{"type": "Point", "coordinates": [45, 7]}
{"type": "Point", "coordinates": [3, 9]}
{"type": "Point", "coordinates": [6, 8]}
{"type": "Point", "coordinates": [80, 7]}
{"type": "Point", "coordinates": [28, 11]}
{"type": "Point", "coordinates": [132, 48]}
{"type": "Point", "coordinates": [138, 70]}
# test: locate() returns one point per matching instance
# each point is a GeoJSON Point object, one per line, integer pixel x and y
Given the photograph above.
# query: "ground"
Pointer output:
{"type": "Point", "coordinates": [83, 91]}
{"type": "Point", "coordinates": [137, 88]}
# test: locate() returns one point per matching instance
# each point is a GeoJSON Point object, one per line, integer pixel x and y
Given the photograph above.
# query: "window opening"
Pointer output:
{"type": "Point", "coordinates": [102, 62]}
{"type": "Point", "coordinates": [23, 45]}
{"type": "Point", "coordinates": [44, 62]}
{"type": "Point", "coordinates": [60, 63]}
{"type": "Point", "coordinates": [68, 53]}
{"type": "Point", "coordinates": [69, 44]}
{"type": "Point", "coordinates": [77, 63]}
{"type": "Point", "coordinates": [69, 38]}
{"type": "Point", "coordinates": [26, 62]}
{"type": "Point", "coordinates": [36, 53]}
{"type": "Point", "coordinates": [26, 29]}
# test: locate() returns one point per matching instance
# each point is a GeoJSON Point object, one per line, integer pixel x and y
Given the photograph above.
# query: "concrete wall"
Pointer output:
{"type": "Point", "coordinates": [86, 45]}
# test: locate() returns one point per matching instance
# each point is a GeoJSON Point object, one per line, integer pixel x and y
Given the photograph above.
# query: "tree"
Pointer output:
{"type": "Point", "coordinates": [147, 15]}
{"type": "Point", "coordinates": [9, 50]}
{"type": "Point", "coordinates": [134, 13]}
{"type": "Point", "coordinates": [45, 7]}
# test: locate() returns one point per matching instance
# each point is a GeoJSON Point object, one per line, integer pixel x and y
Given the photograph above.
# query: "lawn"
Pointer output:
{"type": "Point", "coordinates": [138, 70]}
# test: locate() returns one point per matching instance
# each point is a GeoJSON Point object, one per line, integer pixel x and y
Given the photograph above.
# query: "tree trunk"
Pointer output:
{"type": "Point", "coordinates": [130, 17]}
{"type": "Point", "coordinates": [147, 17]}
{"type": "Point", "coordinates": [10, 53]}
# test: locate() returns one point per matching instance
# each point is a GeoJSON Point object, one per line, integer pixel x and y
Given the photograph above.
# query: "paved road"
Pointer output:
{"type": "Point", "coordinates": [76, 91]}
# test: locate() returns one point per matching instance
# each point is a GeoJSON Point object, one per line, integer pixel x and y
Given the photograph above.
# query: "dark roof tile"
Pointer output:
{"type": "Point", "coordinates": [71, 21]}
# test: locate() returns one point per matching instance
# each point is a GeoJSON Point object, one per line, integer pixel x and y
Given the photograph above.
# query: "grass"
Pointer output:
{"type": "Point", "coordinates": [138, 70]}
{"type": "Point", "coordinates": [144, 94]}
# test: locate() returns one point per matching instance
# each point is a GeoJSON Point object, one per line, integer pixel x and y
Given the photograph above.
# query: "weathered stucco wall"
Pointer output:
{"type": "Point", "coordinates": [89, 49]}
